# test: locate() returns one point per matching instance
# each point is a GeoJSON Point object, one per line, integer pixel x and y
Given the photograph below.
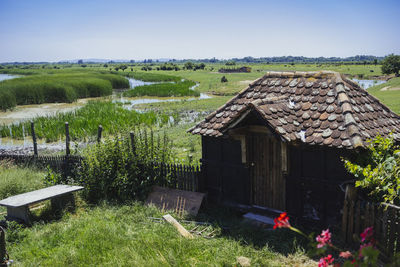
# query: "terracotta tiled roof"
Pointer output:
{"type": "Point", "coordinates": [317, 108]}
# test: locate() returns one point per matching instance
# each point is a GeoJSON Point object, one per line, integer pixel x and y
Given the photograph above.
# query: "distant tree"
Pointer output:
{"type": "Point", "coordinates": [230, 63]}
{"type": "Point", "coordinates": [80, 61]}
{"type": "Point", "coordinates": [83, 65]}
{"type": "Point", "coordinates": [116, 68]}
{"type": "Point", "coordinates": [131, 69]}
{"type": "Point", "coordinates": [224, 79]}
{"type": "Point", "coordinates": [189, 65]}
{"type": "Point", "coordinates": [105, 66]}
{"type": "Point", "coordinates": [391, 64]}
{"type": "Point", "coordinates": [200, 66]}
{"type": "Point", "coordinates": [123, 67]}
{"type": "Point", "coordinates": [375, 62]}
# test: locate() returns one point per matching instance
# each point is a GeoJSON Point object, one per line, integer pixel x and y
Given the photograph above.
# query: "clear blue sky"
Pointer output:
{"type": "Point", "coordinates": [51, 30]}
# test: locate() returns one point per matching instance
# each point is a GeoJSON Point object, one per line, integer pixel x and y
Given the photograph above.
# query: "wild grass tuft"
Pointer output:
{"type": "Point", "coordinates": [16, 180]}
{"type": "Point", "coordinates": [62, 87]}
{"type": "Point", "coordinates": [152, 77]}
{"type": "Point", "coordinates": [84, 122]}
{"type": "Point", "coordinates": [164, 90]}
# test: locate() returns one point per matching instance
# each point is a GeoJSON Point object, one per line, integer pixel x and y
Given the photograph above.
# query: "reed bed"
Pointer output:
{"type": "Point", "coordinates": [84, 122]}
{"type": "Point", "coordinates": [60, 87]}
{"type": "Point", "coordinates": [152, 77]}
{"type": "Point", "coordinates": [182, 88]}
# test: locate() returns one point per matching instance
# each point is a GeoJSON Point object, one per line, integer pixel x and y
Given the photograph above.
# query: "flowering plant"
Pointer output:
{"type": "Point", "coordinates": [367, 254]}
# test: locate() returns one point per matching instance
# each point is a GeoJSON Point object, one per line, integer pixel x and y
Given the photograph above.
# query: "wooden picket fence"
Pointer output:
{"type": "Point", "coordinates": [59, 163]}
{"type": "Point", "coordinates": [359, 214]}
{"type": "Point", "coordinates": [179, 176]}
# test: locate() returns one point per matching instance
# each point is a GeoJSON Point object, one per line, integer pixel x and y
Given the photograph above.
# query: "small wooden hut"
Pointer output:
{"type": "Point", "coordinates": [278, 144]}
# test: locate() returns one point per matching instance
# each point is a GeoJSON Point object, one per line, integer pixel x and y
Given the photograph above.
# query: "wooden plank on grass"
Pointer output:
{"type": "Point", "coordinates": [182, 230]}
{"type": "Point", "coordinates": [179, 201]}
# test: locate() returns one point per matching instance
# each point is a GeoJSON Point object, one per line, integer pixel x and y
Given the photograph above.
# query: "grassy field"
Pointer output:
{"type": "Point", "coordinates": [151, 77]}
{"type": "Point", "coordinates": [16, 180]}
{"type": "Point", "coordinates": [125, 236]}
{"type": "Point", "coordinates": [209, 82]}
{"type": "Point", "coordinates": [388, 93]}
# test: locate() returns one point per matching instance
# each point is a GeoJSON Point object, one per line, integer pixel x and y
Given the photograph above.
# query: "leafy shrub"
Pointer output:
{"type": "Point", "coordinates": [113, 171]}
{"type": "Point", "coordinates": [378, 170]}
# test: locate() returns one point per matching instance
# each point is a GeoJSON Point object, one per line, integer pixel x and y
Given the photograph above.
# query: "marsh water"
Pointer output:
{"type": "Point", "coordinates": [7, 77]}
{"type": "Point", "coordinates": [28, 112]}
{"type": "Point", "coordinates": [131, 102]}
{"type": "Point", "coordinates": [365, 84]}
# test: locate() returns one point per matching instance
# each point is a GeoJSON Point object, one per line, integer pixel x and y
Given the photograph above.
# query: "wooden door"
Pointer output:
{"type": "Point", "coordinates": [267, 185]}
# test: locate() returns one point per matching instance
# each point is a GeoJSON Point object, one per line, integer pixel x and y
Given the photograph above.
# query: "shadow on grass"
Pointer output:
{"type": "Point", "coordinates": [283, 241]}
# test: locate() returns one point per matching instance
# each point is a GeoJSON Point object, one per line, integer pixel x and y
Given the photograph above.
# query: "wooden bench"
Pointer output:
{"type": "Point", "coordinates": [18, 206]}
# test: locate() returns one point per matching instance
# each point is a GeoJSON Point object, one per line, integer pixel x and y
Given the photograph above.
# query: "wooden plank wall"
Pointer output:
{"type": "Point", "coordinates": [359, 214]}
{"type": "Point", "coordinates": [268, 186]}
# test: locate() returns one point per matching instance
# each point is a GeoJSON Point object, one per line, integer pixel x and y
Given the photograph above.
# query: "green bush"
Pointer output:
{"type": "Point", "coordinates": [378, 170]}
{"type": "Point", "coordinates": [112, 171]}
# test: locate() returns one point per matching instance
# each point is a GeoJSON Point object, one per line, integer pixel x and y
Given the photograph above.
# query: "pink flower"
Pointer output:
{"type": "Point", "coordinates": [324, 262]}
{"type": "Point", "coordinates": [324, 239]}
{"type": "Point", "coordinates": [345, 254]}
{"type": "Point", "coordinates": [282, 221]}
{"type": "Point", "coordinates": [367, 234]}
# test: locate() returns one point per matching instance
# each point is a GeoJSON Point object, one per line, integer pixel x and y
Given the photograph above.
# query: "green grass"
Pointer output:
{"type": "Point", "coordinates": [62, 87]}
{"type": "Point", "coordinates": [125, 236]}
{"type": "Point", "coordinates": [84, 122]}
{"type": "Point", "coordinates": [16, 180]}
{"type": "Point", "coordinates": [389, 97]}
{"type": "Point", "coordinates": [151, 77]}
{"type": "Point", "coordinates": [164, 90]}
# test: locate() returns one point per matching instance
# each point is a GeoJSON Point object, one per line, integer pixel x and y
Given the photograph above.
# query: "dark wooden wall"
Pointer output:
{"type": "Point", "coordinates": [313, 180]}
{"type": "Point", "coordinates": [226, 178]}
{"type": "Point", "coordinates": [265, 160]}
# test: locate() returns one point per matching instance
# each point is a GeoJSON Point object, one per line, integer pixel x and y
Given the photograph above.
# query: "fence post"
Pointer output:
{"type": "Point", "coordinates": [347, 218]}
{"type": "Point", "coordinates": [67, 139]}
{"type": "Point", "coordinates": [99, 131]}
{"type": "Point", "coordinates": [35, 151]}
{"type": "Point", "coordinates": [132, 134]}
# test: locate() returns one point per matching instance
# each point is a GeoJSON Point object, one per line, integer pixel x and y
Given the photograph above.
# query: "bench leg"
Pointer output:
{"type": "Point", "coordinates": [66, 201]}
{"type": "Point", "coordinates": [18, 214]}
